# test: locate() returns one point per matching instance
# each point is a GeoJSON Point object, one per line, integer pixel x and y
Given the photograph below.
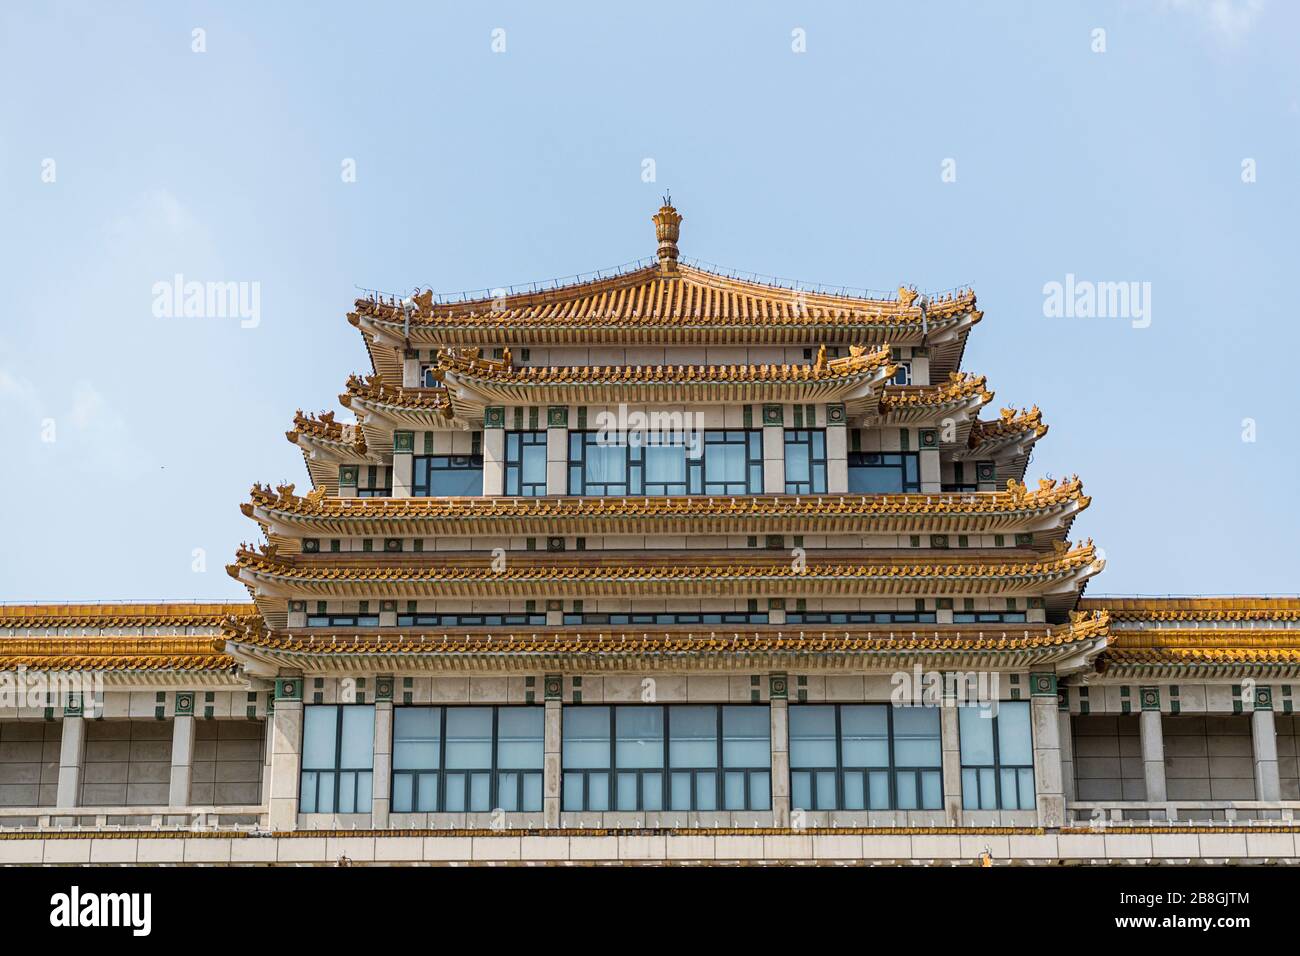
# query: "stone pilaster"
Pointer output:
{"type": "Point", "coordinates": [774, 449]}
{"type": "Point", "coordinates": [72, 753]}
{"type": "Point", "coordinates": [286, 754]}
{"type": "Point", "coordinates": [931, 473]}
{"type": "Point", "coordinates": [494, 452]}
{"type": "Point", "coordinates": [403, 451]}
{"type": "Point", "coordinates": [1065, 732]}
{"type": "Point", "coordinates": [1048, 784]}
{"type": "Point", "coordinates": [382, 779]}
{"type": "Point", "coordinates": [950, 742]}
{"type": "Point", "coordinates": [837, 450]}
{"type": "Point", "coordinates": [553, 689]}
{"type": "Point", "coordinates": [178, 791]}
{"type": "Point", "coordinates": [778, 693]}
{"type": "Point", "coordinates": [557, 450]}
{"type": "Point", "coordinates": [1263, 734]}
{"type": "Point", "coordinates": [1151, 737]}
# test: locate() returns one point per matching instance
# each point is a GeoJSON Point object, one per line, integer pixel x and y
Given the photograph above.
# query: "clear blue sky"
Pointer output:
{"type": "Point", "coordinates": [476, 168]}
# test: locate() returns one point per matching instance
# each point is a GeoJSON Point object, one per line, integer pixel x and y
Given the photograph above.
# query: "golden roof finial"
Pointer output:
{"type": "Point", "coordinates": [668, 226]}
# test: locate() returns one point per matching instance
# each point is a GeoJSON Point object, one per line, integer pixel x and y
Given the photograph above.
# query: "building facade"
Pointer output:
{"type": "Point", "coordinates": [660, 565]}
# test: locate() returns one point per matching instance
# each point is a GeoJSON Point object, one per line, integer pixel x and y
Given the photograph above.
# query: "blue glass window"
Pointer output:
{"type": "Point", "coordinates": [338, 758]}
{"type": "Point", "coordinates": [997, 757]}
{"type": "Point", "coordinates": [865, 757]}
{"type": "Point", "coordinates": [467, 759]}
{"type": "Point", "coordinates": [725, 462]}
{"type": "Point", "coordinates": [525, 472]}
{"type": "Point", "coordinates": [673, 757]}
{"type": "Point", "coordinates": [452, 476]}
{"type": "Point", "coordinates": [805, 461]}
{"type": "Point", "coordinates": [882, 473]}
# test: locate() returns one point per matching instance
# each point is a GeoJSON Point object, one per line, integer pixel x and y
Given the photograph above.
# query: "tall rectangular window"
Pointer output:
{"type": "Point", "coordinates": [882, 473]}
{"type": "Point", "coordinates": [865, 757]}
{"type": "Point", "coordinates": [451, 476]}
{"type": "Point", "coordinates": [667, 757]}
{"type": "Point", "coordinates": [467, 759]}
{"type": "Point", "coordinates": [375, 482]}
{"type": "Point", "coordinates": [338, 758]}
{"type": "Point", "coordinates": [525, 464]}
{"type": "Point", "coordinates": [805, 461]}
{"type": "Point", "coordinates": [961, 481]}
{"type": "Point", "coordinates": [997, 757]}
{"type": "Point", "coordinates": [718, 462]}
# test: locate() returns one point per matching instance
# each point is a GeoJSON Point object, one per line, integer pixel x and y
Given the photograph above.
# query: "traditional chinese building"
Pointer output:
{"type": "Point", "coordinates": [663, 564]}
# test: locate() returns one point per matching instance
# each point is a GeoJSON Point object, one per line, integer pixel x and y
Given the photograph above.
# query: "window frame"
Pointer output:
{"type": "Point", "coordinates": [489, 619]}
{"type": "Point", "coordinates": [813, 438]}
{"type": "Point", "coordinates": [665, 769]}
{"type": "Point", "coordinates": [998, 767]}
{"type": "Point", "coordinates": [861, 464]}
{"type": "Point", "coordinates": [959, 485]}
{"type": "Point", "coordinates": [632, 618]}
{"type": "Point", "coordinates": [514, 484]}
{"type": "Point", "coordinates": [376, 475]}
{"type": "Point", "coordinates": [860, 617]}
{"type": "Point", "coordinates": [892, 768]}
{"type": "Point", "coordinates": [441, 772]}
{"type": "Point", "coordinates": [421, 489]}
{"type": "Point", "coordinates": [336, 770]}
{"type": "Point", "coordinates": [697, 481]}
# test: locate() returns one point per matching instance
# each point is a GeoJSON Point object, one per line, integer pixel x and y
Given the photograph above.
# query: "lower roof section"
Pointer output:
{"type": "Point", "coordinates": [1134, 638]}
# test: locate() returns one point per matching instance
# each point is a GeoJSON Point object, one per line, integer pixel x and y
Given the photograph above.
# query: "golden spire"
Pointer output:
{"type": "Point", "coordinates": [668, 226]}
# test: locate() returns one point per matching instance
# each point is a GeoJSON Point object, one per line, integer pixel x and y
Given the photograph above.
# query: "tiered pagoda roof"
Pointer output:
{"type": "Point", "coordinates": [180, 641]}
{"type": "Point", "coordinates": [674, 304]}
{"type": "Point", "coordinates": [1202, 637]}
{"type": "Point", "coordinates": [1047, 512]}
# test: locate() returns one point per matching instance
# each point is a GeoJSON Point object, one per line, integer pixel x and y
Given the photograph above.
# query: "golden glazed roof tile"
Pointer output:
{"type": "Point", "coordinates": [1203, 647]}
{"type": "Point", "coordinates": [324, 428]}
{"type": "Point", "coordinates": [676, 640]}
{"type": "Point", "coordinates": [124, 653]}
{"type": "Point", "coordinates": [960, 386]}
{"type": "Point", "coordinates": [1049, 494]}
{"type": "Point", "coordinates": [373, 389]}
{"type": "Point", "coordinates": [1196, 609]}
{"type": "Point", "coordinates": [108, 616]}
{"type": "Point", "coordinates": [1011, 424]}
{"type": "Point", "coordinates": [647, 297]}
{"type": "Point", "coordinates": [467, 363]}
{"type": "Point", "coordinates": [269, 564]}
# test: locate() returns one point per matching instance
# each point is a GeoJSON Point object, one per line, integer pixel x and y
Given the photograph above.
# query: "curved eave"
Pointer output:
{"type": "Point", "coordinates": [1010, 457]}
{"type": "Point", "coordinates": [328, 449]}
{"type": "Point", "coordinates": [1203, 652]}
{"type": "Point", "coordinates": [322, 458]}
{"type": "Point", "coordinates": [1011, 444]}
{"type": "Point", "coordinates": [477, 392]}
{"type": "Point", "coordinates": [505, 330]}
{"type": "Point", "coordinates": [1152, 611]}
{"type": "Point", "coordinates": [1058, 581]}
{"type": "Point", "coordinates": [65, 663]}
{"type": "Point", "coordinates": [672, 648]}
{"type": "Point", "coordinates": [1177, 667]}
{"type": "Point", "coordinates": [763, 515]}
{"type": "Point", "coordinates": [413, 415]}
{"type": "Point", "coordinates": [116, 621]}
{"type": "Point", "coordinates": [961, 408]}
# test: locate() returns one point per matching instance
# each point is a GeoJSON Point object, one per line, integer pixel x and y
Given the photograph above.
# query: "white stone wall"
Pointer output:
{"type": "Point", "coordinates": [1209, 757]}
{"type": "Point", "coordinates": [29, 762]}
{"type": "Point", "coordinates": [229, 758]}
{"type": "Point", "coordinates": [1107, 758]}
{"type": "Point", "coordinates": [127, 763]}
{"type": "Point", "coordinates": [1288, 755]}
